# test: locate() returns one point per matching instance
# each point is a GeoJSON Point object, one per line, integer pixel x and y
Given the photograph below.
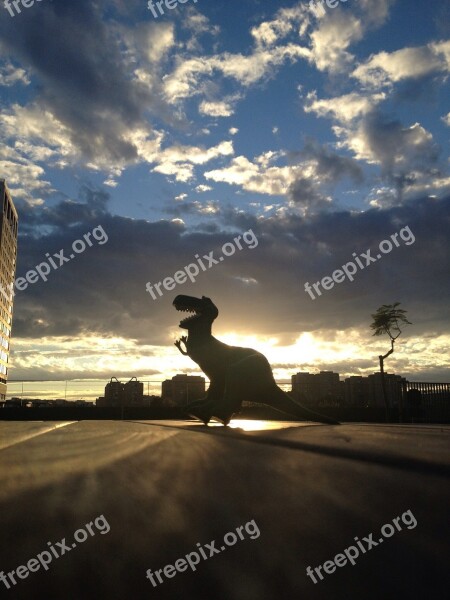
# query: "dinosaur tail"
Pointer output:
{"type": "Point", "coordinates": [284, 403]}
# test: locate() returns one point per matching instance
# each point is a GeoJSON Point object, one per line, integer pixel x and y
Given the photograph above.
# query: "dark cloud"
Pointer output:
{"type": "Point", "coordinates": [84, 74]}
{"type": "Point", "coordinates": [330, 168]}
{"type": "Point", "coordinates": [305, 193]}
{"type": "Point", "coordinates": [402, 151]}
{"type": "Point", "coordinates": [103, 289]}
{"type": "Point", "coordinates": [93, 206]}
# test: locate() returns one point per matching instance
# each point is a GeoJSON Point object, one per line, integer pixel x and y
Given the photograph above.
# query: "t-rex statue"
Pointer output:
{"type": "Point", "coordinates": [236, 374]}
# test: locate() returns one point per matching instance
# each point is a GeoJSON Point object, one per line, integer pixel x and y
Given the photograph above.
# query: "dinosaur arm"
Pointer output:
{"type": "Point", "coordinates": [178, 343]}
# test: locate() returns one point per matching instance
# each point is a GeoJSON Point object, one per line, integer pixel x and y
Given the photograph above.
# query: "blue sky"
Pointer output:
{"type": "Point", "coordinates": [325, 135]}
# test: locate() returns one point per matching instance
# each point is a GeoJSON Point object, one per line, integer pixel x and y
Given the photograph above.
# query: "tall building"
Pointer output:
{"type": "Point", "coordinates": [393, 389]}
{"type": "Point", "coordinates": [8, 261]}
{"type": "Point", "coordinates": [357, 391]}
{"type": "Point", "coordinates": [368, 391]}
{"type": "Point", "coordinates": [323, 388]}
{"type": "Point", "coordinates": [122, 394]}
{"type": "Point", "coordinates": [182, 389]}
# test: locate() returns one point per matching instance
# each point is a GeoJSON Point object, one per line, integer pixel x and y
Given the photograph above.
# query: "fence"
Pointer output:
{"type": "Point", "coordinates": [420, 402]}
{"type": "Point", "coordinates": [425, 402]}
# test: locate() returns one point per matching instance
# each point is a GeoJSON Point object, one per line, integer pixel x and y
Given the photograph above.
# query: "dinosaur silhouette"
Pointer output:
{"type": "Point", "coordinates": [236, 374]}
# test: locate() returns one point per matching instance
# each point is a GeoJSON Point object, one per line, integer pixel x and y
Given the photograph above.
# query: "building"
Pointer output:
{"type": "Point", "coordinates": [394, 385]}
{"type": "Point", "coordinates": [8, 262]}
{"type": "Point", "coordinates": [357, 391]}
{"type": "Point", "coordinates": [133, 392]}
{"type": "Point", "coordinates": [123, 394]}
{"type": "Point", "coordinates": [182, 389]}
{"type": "Point", "coordinates": [368, 391]}
{"type": "Point", "coordinates": [322, 389]}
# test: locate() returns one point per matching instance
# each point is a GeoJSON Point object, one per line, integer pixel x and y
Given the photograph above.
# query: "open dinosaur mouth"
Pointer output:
{"type": "Point", "coordinates": [199, 309]}
{"type": "Point", "coordinates": [193, 314]}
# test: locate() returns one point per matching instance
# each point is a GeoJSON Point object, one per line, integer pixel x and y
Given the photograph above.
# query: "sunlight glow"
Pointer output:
{"type": "Point", "coordinates": [251, 425]}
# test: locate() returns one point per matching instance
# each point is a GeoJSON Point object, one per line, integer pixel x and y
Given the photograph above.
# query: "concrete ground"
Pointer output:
{"type": "Point", "coordinates": [155, 492]}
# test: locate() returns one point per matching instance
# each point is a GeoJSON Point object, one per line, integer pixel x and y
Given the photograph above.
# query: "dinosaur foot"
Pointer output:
{"type": "Point", "coordinates": [224, 418]}
{"type": "Point", "coordinates": [205, 419]}
{"type": "Point", "coordinates": [197, 411]}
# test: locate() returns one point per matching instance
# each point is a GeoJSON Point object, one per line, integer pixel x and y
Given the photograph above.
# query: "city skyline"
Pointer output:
{"type": "Point", "coordinates": [92, 389]}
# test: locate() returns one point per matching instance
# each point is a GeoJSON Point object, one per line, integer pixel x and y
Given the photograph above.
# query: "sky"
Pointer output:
{"type": "Point", "coordinates": [320, 133]}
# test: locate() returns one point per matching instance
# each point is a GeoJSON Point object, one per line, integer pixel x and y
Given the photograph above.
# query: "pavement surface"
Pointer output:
{"type": "Point", "coordinates": [103, 502]}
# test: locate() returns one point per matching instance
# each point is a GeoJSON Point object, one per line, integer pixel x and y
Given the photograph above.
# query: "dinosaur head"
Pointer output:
{"type": "Point", "coordinates": [203, 311]}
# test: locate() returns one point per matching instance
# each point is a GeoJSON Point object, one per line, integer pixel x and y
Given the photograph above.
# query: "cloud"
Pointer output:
{"type": "Point", "coordinates": [336, 30]}
{"type": "Point", "coordinates": [253, 176]}
{"type": "Point", "coordinates": [303, 179]}
{"type": "Point", "coordinates": [216, 109]}
{"type": "Point", "coordinates": [203, 188]}
{"type": "Point", "coordinates": [186, 79]}
{"type": "Point", "coordinates": [95, 111]}
{"type": "Point", "coordinates": [285, 22]}
{"type": "Point", "coordinates": [399, 150]}
{"type": "Point", "coordinates": [179, 160]}
{"type": "Point", "coordinates": [82, 298]}
{"type": "Point", "coordinates": [385, 68]}
{"type": "Point", "coordinates": [10, 75]}
{"type": "Point", "coordinates": [346, 108]}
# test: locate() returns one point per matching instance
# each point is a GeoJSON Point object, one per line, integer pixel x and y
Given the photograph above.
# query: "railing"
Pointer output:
{"type": "Point", "coordinates": [420, 402]}
{"type": "Point", "coordinates": [73, 389]}
{"type": "Point", "coordinates": [84, 389]}
{"type": "Point", "coordinates": [425, 402]}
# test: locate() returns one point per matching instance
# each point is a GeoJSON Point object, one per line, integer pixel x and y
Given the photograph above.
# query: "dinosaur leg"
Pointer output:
{"type": "Point", "coordinates": [241, 384]}
{"type": "Point", "coordinates": [251, 379]}
{"type": "Point", "coordinates": [203, 408]}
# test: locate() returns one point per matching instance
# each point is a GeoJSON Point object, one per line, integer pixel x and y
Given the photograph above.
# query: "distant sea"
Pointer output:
{"type": "Point", "coordinates": [75, 389]}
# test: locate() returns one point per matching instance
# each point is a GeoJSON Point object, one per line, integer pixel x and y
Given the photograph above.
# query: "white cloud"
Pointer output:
{"type": "Point", "coordinates": [150, 41]}
{"type": "Point", "coordinates": [33, 123]}
{"type": "Point", "coordinates": [384, 68]}
{"type": "Point", "coordinates": [233, 130]}
{"type": "Point", "coordinates": [203, 188]}
{"type": "Point", "coordinates": [216, 109]}
{"type": "Point", "coordinates": [286, 20]}
{"type": "Point", "coordinates": [179, 160]}
{"type": "Point", "coordinates": [338, 29]}
{"type": "Point", "coordinates": [255, 176]}
{"type": "Point", "coordinates": [345, 108]}
{"type": "Point", "coordinates": [10, 75]}
{"type": "Point", "coordinates": [330, 41]}
{"type": "Point", "coordinates": [24, 179]}
{"type": "Point", "coordinates": [180, 197]}
{"type": "Point", "coordinates": [446, 119]}
{"type": "Point", "coordinates": [110, 183]}
{"type": "Point", "coordinates": [185, 80]}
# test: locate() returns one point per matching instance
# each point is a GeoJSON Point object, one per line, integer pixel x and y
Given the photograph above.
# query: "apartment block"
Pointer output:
{"type": "Point", "coordinates": [8, 262]}
{"type": "Point", "coordinates": [182, 389]}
